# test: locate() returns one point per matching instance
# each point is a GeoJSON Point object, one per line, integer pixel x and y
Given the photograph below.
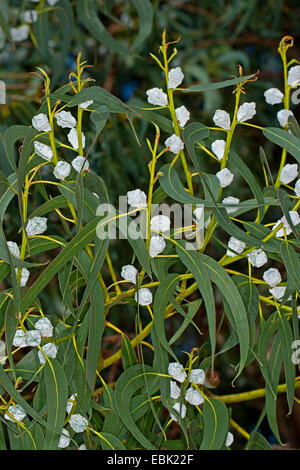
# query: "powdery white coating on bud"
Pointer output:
{"type": "Point", "coordinates": [197, 376]}
{"type": "Point", "coordinates": [177, 371]}
{"type": "Point", "coordinates": [236, 245]}
{"type": "Point", "coordinates": [175, 77]}
{"type": "Point", "coordinates": [174, 390]}
{"type": "Point", "coordinates": [45, 327]}
{"type": "Point", "coordinates": [129, 273]}
{"type": "Point", "coordinates": [225, 177]}
{"type": "Point", "coordinates": [17, 412]}
{"type": "Point", "coordinates": [19, 34]}
{"type": "Point", "coordinates": [294, 76]}
{"type": "Point", "coordinates": [157, 97]}
{"type": "Point", "coordinates": [80, 164]}
{"type": "Point", "coordinates": [174, 143]}
{"type": "Point", "coordinates": [286, 227]}
{"type": "Point", "coordinates": [229, 439]}
{"type": "Point", "coordinates": [257, 258]}
{"type": "Point", "coordinates": [160, 223]}
{"type": "Point", "coordinates": [19, 339]}
{"type": "Point", "coordinates": [78, 423]}
{"type": "Point", "coordinates": [156, 246]}
{"type": "Point", "coordinates": [222, 119]}
{"type": "Point", "coordinates": [73, 138]}
{"type": "Point", "coordinates": [283, 116]}
{"type": "Point", "coordinates": [41, 123]}
{"type": "Point", "coordinates": [14, 249]}
{"type": "Point", "coordinates": [30, 16]}
{"type": "Point", "coordinates": [137, 198]}
{"type": "Point", "coordinates": [278, 292]}
{"type": "Point", "coordinates": [143, 296]}
{"type": "Point", "coordinates": [86, 104]}
{"type": "Point", "coordinates": [246, 111]}
{"type": "Point", "coordinates": [288, 173]}
{"type": "Point", "coordinates": [272, 277]}
{"type": "Point", "coordinates": [62, 170]}
{"type": "Point", "coordinates": [297, 188]}
{"type": "Point", "coordinates": [70, 403]}
{"type": "Point", "coordinates": [182, 115]}
{"type": "Point", "coordinates": [194, 397]}
{"type": "Point", "coordinates": [50, 350]}
{"type": "Point", "coordinates": [43, 151]}
{"type": "Point", "coordinates": [218, 148]}
{"type": "Point", "coordinates": [36, 226]}
{"type": "Point", "coordinates": [233, 201]}
{"type": "Point", "coordinates": [24, 276]}
{"type": "Point", "coordinates": [180, 409]}
{"type": "Point", "coordinates": [33, 338]}
{"type": "Point", "coordinates": [273, 96]}
{"type": "Point", "coordinates": [64, 439]}
{"type": "Point", "coordinates": [82, 447]}
{"type": "Point", "coordinates": [65, 119]}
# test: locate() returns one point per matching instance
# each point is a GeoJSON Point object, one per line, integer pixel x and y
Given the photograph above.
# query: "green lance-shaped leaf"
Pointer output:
{"type": "Point", "coordinates": [286, 339]}
{"type": "Point", "coordinates": [194, 263]}
{"type": "Point", "coordinates": [257, 442]}
{"type": "Point", "coordinates": [215, 423]}
{"type": "Point", "coordinates": [292, 263]}
{"type": "Point", "coordinates": [172, 185]}
{"type": "Point", "coordinates": [216, 86]}
{"type": "Point", "coordinates": [274, 367]}
{"type": "Point", "coordinates": [128, 354]}
{"type": "Point", "coordinates": [110, 442]}
{"type": "Point", "coordinates": [285, 140]}
{"type": "Point", "coordinates": [192, 134]}
{"type": "Point", "coordinates": [145, 13]}
{"type": "Point", "coordinates": [57, 395]}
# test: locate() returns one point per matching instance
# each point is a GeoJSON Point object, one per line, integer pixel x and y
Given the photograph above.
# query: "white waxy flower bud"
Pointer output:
{"type": "Point", "coordinates": [177, 371]}
{"type": "Point", "coordinates": [272, 277]}
{"type": "Point", "coordinates": [194, 397]}
{"type": "Point", "coordinates": [225, 177]}
{"type": "Point", "coordinates": [257, 258]}
{"type": "Point", "coordinates": [156, 246]}
{"type": "Point", "coordinates": [160, 223]}
{"type": "Point", "coordinates": [197, 376]}
{"type": "Point", "coordinates": [19, 34]}
{"type": "Point", "coordinates": [157, 97]}
{"type": "Point", "coordinates": [62, 170]}
{"type": "Point", "coordinates": [17, 412]}
{"type": "Point", "coordinates": [50, 350]}
{"type": "Point", "coordinates": [43, 151]}
{"type": "Point", "coordinates": [82, 447]}
{"type": "Point", "coordinates": [33, 338]}
{"type": "Point", "coordinates": [175, 77]}
{"type": "Point", "coordinates": [137, 198]}
{"type": "Point", "coordinates": [86, 104]}
{"type": "Point", "coordinates": [231, 201]}
{"type": "Point", "coordinates": [65, 119]}
{"type": "Point", "coordinates": [71, 402]}
{"type": "Point", "coordinates": [218, 148]}
{"type": "Point", "coordinates": [278, 292]}
{"type": "Point", "coordinates": [45, 327]}
{"type": "Point", "coordinates": [143, 296]}
{"type": "Point", "coordinates": [297, 188]}
{"type": "Point", "coordinates": [129, 273]}
{"type": "Point", "coordinates": [14, 249]}
{"type": "Point", "coordinates": [30, 16]}
{"type": "Point", "coordinates": [41, 123]}
{"type": "Point", "coordinates": [286, 227]}
{"type": "Point", "coordinates": [19, 339]}
{"type": "Point", "coordinates": [283, 116]}
{"type": "Point", "coordinates": [288, 173]}
{"type": "Point", "coordinates": [273, 96]}
{"type": "Point", "coordinates": [174, 390]}
{"type": "Point", "coordinates": [24, 276]}
{"type": "Point", "coordinates": [64, 439]}
{"type": "Point", "coordinates": [78, 423]}
{"type": "Point", "coordinates": [229, 439]}
{"type": "Point", "coordinates": [180, 408]}
{"type": "Point", "coordinates": [36, 226]}
{"type": "Point", "coordinates": [80, 164]}
{"type": "Point", "coordinates": [182, 115]}
{"type": "Point", "coordinates": [294, 76]}
{"type": "Point", "coordinates": [236, 245]}
{"type": "Point", "coordinates": [246, 111]}
{"type": "Point", "coordinates": [222, 119]}
{"type": "Point", "coordinates": [73, 138]}
{"type": "Point", "coordinates": [174, 143]}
